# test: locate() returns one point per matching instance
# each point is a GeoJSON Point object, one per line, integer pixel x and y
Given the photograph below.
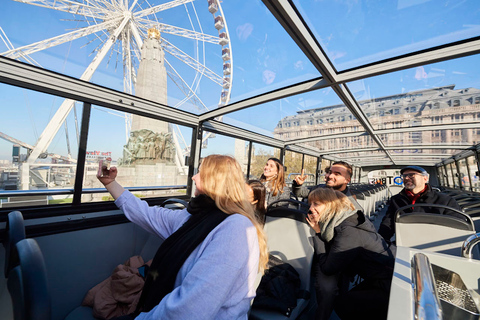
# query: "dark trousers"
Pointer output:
{"type": "Point", "coordinates": [367, 300]}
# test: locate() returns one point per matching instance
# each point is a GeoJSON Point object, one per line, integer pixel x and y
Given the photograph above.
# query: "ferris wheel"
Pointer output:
{"type": "Point", "coordinates": [118, 28]}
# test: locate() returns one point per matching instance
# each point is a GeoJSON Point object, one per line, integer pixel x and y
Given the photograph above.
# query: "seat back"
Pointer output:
{"type": "Point", "coordinates": [290, 239]}
{"type": "Point", "coordinates": [432, 231]}
{"type": "Point", "coordinates": [15, 232]}
{"type": "Point", "coordinates": [28, 285]}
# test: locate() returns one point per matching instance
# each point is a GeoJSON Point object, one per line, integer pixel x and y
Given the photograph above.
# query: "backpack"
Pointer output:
{"type": "Point", "coordinates": [279, 287]}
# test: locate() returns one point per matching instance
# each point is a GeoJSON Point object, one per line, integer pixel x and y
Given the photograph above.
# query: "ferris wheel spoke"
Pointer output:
{"type": "Point", "coordinates": [69, 6]}
{"type": "Point", "coordinates": [55, 41]}
{"type": "Point", "coordinates": [127, 66]}
{"type": "Point", "coordinates": [161, 7]}
{"type": "Point", "coordinates": [177, 31]}
{"type": "Point", "coordinates": [191, 62]}
{"type": "Point", "coordinates": [185, 88]}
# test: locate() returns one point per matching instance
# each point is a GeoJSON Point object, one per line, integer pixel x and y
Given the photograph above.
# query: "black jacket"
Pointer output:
{"type": "Point", "coordinates": [357, 248]}
{"type": "Point", "coordinates": [387, 227]}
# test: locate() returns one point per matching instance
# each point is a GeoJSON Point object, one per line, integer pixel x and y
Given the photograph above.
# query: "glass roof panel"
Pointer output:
{"type": "Point", "coordinates": [296, 117]}
{"type": "Point", "coordinates": [436, 140]}
{"type": "Point", "coordinates": [359, 157]}
{"type": "Point", "coordinates": [425, 101]}
{"type": "Point", "coordinates": [213, 54]}
{"type": "Point", "coordinates": [354, 33]}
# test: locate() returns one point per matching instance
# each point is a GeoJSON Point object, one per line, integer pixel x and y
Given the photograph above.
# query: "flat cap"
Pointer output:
{"type": "Point", "coordinates": [415, 168]}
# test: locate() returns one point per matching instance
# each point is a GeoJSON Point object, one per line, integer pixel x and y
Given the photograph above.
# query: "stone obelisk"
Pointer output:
{"type": "Point", "coordinates": [150, 140]}
{"type": "Point", "coordinates": [151, 81]}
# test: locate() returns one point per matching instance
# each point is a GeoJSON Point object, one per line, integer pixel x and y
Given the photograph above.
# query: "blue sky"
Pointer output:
{"type": "Point", "coordinates": [264, 58]}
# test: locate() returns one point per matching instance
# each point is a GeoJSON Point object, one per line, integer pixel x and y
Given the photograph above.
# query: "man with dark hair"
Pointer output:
{"type": "Point", "coordinates": [416, 190]}
{"type": "Point", "coordinates": [337, 177]}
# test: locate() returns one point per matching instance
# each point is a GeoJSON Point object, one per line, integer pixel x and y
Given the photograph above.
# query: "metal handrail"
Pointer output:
{"type": "Point", "coordinates": [427, 303]}
{"type": "Point", "coordinates": [468, 244]}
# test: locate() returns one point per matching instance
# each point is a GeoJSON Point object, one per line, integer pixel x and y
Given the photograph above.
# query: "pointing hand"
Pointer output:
{"type": "Point", "coordinates": [301, 179]}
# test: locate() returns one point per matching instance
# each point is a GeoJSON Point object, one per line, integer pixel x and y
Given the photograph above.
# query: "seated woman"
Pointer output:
{"type": "Point", "coordinates": [351, 246]}
{"type": "Point", "coordinates": [273, 178]}
{"type": "Point", "coordinates": [256, 196]}
{"type": "Point", "coordinates": [213, 250]}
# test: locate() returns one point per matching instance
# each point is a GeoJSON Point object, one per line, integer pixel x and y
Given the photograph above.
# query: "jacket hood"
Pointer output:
{"type": "Point", "coordinates": [327, 228]}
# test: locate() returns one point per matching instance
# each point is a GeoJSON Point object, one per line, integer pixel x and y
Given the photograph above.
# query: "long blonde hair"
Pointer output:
{"type": "Point", "coordinates": [222, 180]}
{"type": "Point", "coordinates": [335, 202]}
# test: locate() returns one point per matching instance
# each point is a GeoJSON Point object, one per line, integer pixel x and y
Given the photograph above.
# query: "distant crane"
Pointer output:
{"type": "Point", "coordinates": [30, 148]}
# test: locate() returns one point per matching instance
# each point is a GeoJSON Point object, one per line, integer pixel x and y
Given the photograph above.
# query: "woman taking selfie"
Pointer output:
{"type": "Point", "coordinates": [349, 246]}
{"type": "Point", "coordinates": [206, 267]}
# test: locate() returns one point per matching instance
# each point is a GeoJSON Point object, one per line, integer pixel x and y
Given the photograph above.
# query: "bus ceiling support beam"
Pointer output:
{"type": "Point", "coordinates": [194, 158]}
{"type": "Point", "coordinates": [441, 53]}
{"type": "Point", "coordinates": [82, 153]}
{"type": "Point", "coordinates": [34, 78]}
{"type": "Point", "coordinates": [249, 161]}
{"type": "Point", "coordinates": [437, 171]}
{"type": "Point", "coordinates": [452, 173]}
{"type": "Point", "coordinates": [59, 117]}
{"type": "Point", "coordinates": [477, 157]}
{"type": "Point", "coordinates": [469, 175]}
{"type": "Point", "coordinates": [445, 126]}
{"type": "Point", "coordinates": [319, 170]}
{"type": "Point", "coordinates": [458, 175]}
{"type": "Point", "coordinates": [282, 156]}
{"type": "Point", "coordinates": [300, 149]}
{"type": "Point", "coordinates": [263, 98]}
{"type": "Point", "coordinates": [234, 132]}
{"type": "Point", "coordinates": [346, 96]}
{"type": "Point", "coordinates": [287, 15]}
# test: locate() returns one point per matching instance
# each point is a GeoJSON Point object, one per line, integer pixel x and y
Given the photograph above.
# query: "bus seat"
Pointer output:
{"type": "Point", "coordinates": [435, 232]}
{"type": "Point", "coordinates": [146, 250]}
{"type": "Point", "coordinates": [15, 229]}
{"type": "Point", "coordinates": [28, 284]}
{"type": "Point", "coordinates": [289, 238]}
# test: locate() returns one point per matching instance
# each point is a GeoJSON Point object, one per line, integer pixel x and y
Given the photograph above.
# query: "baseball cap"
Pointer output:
{"type": "Point", "coordinates": [415, 168]}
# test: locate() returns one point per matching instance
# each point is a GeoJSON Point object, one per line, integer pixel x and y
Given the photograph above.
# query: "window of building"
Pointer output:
{"type": "Point", "coordinates": [457, 117]}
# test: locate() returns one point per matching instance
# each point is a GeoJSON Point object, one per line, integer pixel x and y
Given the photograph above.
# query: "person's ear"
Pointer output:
{"type": "Point", "coordinates": [254, 202]}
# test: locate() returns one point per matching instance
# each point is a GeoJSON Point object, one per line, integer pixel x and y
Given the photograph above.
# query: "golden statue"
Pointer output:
{"type": "Point", "coordinates": [154, 33]}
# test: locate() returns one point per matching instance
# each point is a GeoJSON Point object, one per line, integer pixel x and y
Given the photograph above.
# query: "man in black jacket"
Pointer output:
{"type": "Point", "coordinates": [416, 190]}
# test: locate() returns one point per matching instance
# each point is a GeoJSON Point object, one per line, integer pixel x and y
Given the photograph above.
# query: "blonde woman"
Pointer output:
{"type": "Point", "coordinates": [351, 247]}
{"type": "Point", "coordinates": [273, 178]}
{"type": "Point", "coordinates": [206, 267]}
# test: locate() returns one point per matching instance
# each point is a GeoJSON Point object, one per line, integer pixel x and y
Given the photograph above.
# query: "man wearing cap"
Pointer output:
{"type": "Point", "coordinates": [416, 190]}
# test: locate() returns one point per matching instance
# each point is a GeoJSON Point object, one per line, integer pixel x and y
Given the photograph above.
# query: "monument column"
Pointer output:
{"type": "Point", "coordinates": [151, 81]}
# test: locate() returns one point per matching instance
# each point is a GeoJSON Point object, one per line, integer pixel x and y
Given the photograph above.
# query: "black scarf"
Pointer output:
{"type": "Point", "coordinates": [173, 252]}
